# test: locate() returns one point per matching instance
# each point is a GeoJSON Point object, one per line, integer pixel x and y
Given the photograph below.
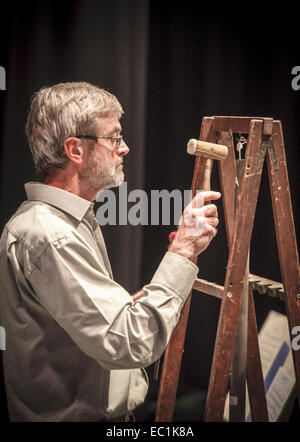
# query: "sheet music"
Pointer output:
{"type": "Point", "coordinates": [277, 365]}
{"type": "Point", "coordinates": [278, 393]}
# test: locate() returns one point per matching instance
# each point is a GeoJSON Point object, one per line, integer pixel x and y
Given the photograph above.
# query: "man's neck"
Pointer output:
{"type": "Point", "coordinates": [71, 183]}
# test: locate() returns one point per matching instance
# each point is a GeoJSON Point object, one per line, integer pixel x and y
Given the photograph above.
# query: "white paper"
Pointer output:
{"type": "Point", "coordinates": [272, 335]}
{"type": "Point", "coordinates": [278, 393]}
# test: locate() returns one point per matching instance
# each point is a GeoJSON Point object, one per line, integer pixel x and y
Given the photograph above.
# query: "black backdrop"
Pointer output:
{"type": "Point", "coordinates": [170, 64]}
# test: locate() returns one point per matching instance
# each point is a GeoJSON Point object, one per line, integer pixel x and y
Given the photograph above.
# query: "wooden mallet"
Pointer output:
{"type": "Point", "coordinates": [209, 152]}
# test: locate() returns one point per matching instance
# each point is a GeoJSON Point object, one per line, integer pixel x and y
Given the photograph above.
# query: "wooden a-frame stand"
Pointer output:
{"type": "Point", "coordinates": [264, 139]}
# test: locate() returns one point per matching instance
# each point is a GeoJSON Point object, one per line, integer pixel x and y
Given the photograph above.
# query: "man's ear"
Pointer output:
{"type": "Point", "coordinates": [73, 149]}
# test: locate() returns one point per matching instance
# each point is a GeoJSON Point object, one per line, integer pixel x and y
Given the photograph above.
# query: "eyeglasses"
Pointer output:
{"type": "Point", "coordinates": [118, 140]}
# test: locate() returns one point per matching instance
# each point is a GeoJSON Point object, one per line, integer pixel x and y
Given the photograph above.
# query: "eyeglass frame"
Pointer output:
{"type": "Point", "coordinates": [95, 137]}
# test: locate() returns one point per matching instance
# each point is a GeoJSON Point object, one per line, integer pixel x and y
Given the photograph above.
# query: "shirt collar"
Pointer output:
{"type": "Point", "coordinates": [62, 199]}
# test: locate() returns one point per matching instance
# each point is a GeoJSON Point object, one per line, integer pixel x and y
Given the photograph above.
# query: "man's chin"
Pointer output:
{"type": "Point", "coordinates": [114, 183]}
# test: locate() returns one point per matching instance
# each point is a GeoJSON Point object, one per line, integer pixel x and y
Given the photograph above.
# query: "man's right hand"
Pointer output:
{"type": "Point", "coordinates": [197, 226]}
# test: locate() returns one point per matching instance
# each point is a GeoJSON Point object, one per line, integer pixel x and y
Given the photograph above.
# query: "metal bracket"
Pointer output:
{"type": "Point", "coordinates": [273, 156]}
{"type": "Point", "coordinates": [267, 143]}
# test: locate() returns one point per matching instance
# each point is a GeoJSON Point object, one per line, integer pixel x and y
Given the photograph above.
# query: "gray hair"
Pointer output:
{"type": "Point", "coordinates": [61, 111]}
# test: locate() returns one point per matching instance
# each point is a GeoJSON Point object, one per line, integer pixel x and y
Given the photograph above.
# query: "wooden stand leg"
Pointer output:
{"type": "Point", "coordinates": [286, 237]}
{"type": "Point", "coordinates": [255, 379]}
{"type": "Point", "coordinates": [235, 276]}
{"type": "Point", "coordinates": [237, 397]}
{"type": "Point", "coordinates": [170, 371]}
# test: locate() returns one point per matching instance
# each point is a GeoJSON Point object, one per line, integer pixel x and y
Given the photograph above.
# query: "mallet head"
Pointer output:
{"type": "Point", "coordinates": [207, 150]}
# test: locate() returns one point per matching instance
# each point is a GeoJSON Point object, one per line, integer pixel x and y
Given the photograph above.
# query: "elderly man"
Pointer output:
{"type": "Point", "coordinates": [77, 342]}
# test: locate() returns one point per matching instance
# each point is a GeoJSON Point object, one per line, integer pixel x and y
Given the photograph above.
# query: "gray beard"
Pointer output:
{"type": "Point", "coordinates": [99, 176]}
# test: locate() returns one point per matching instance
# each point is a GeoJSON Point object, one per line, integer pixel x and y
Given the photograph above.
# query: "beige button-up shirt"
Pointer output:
{"type": "Point", "coordinates": [76, 342]}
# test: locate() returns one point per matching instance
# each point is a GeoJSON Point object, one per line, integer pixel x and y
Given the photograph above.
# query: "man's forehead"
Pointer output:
{"type": "Point", "coordinates": [111, 123]}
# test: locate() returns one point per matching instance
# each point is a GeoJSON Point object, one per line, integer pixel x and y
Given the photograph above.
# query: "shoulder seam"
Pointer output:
{"type": "Point", "coordinates": [44, 250]}
{"type": "Point", "coordinates": [32, 249]}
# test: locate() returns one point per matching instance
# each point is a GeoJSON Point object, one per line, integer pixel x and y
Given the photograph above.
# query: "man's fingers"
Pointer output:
{"type": "Point", "coordinates": [213, 221]}
{"type": "Point", "coordinates": [202, 196]}
{"type": "Point", "coordinates": [208, 195]}
{"type": "Point", "coordinates": [209, 210]}
{"type": "Point", "coordinates": [211, 195]}
{"type": "Point", "coordinates": [197, 208]}
{"type": "Point", "coordinates": [212, 230]}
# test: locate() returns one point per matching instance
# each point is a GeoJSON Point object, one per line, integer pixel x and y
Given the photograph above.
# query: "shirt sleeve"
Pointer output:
{"type": "Point", "coordinates": [101, 316]}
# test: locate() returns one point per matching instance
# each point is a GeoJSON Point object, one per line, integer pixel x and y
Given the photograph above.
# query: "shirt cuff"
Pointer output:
{"type": "Point", "coordinates": [176, 273]}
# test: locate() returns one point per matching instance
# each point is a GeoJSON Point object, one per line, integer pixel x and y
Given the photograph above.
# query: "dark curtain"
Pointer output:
{"type": "Point", "coordinates": [170, 64]}
{"type": "Point", "coordinates": [100, 42]}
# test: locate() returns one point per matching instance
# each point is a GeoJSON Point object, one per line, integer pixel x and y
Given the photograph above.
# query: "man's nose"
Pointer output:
{"type": "Point", "coordinates": [122, 149]}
